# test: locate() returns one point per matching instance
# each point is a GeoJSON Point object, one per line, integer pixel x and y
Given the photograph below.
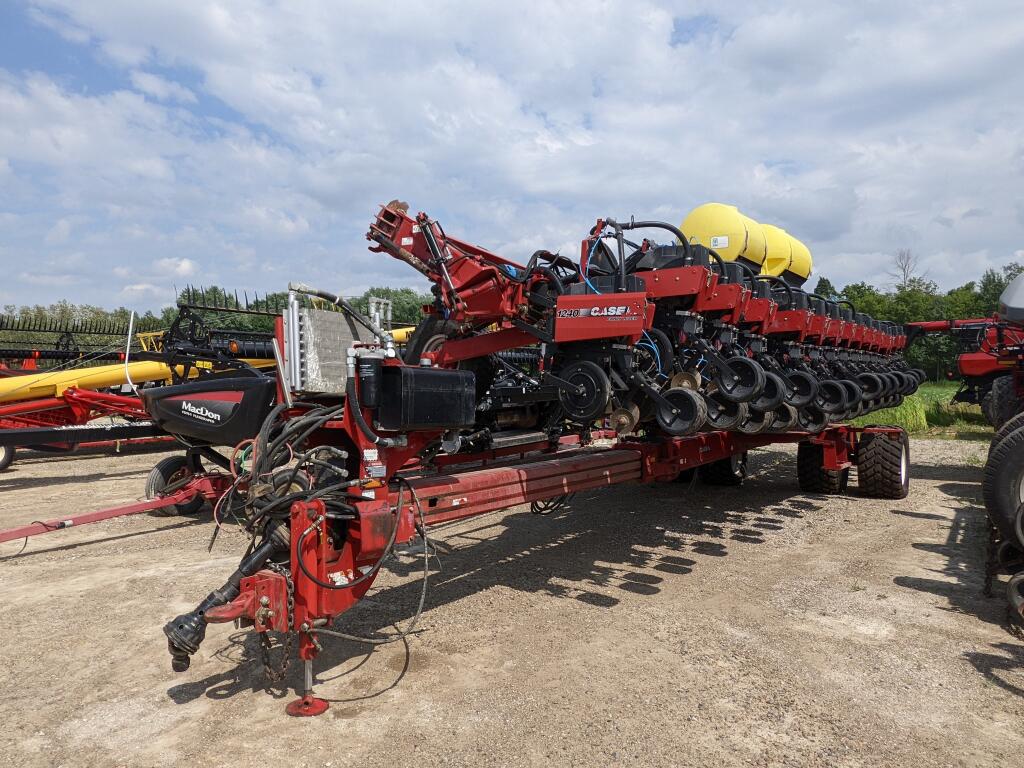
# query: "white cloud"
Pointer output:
{"type": "Point", "coordinates": [160, 88]}
{"type": "Point", "coordinates": [517, 125]}
{"type": "Point", "coordinates": [180, 267]}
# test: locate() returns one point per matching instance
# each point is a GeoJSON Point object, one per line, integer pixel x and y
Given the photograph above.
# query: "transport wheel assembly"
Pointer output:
{"type": "Point", "coordinates": [883, 466]}
{"type": "Point", "coordinates": [169, 473]}
{"type": "Point", "coordinates": [812, 475]}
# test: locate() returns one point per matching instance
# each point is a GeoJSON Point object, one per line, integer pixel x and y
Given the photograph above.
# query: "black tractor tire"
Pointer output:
{"type": "Point", "coordinates": [729, 472]}
{"type": "Point", "coordinates": [171, 469]}
{"type": "Point", "coordinates": [428, 336]}
{"type": "Point", "coordinates": [1005, 403]}
{"type": "Point", "coordinates": [986, 408]}
{"type": "Point", "coordinates": [1003, 484]}
{"type": "Point", "coordinates": [812, 475]}
{"type": "Point", "coordinates": [883, 466]}
{"type": "Point", "coordinates": [1009, 427]}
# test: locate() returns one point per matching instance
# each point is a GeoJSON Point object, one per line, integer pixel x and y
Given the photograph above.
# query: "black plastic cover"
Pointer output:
{"type": "Point", "coordinates": [426, 398]}
{"type": "Point", "coordinates": [217, 411]}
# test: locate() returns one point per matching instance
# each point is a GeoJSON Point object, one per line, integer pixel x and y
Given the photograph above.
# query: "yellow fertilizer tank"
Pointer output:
{"type": "Point", "coordinates": [788, 258]}
{"type": "Point", "coordinates": [726, 231]}
{"type": "Point", "coordinates": [736, 237]}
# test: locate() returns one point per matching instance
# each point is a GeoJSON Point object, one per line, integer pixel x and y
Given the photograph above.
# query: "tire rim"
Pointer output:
{"type": "Point", "coordinates": [903, 467]}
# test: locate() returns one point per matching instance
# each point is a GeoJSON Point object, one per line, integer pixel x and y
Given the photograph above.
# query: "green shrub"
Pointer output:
{"type": "Point", "coordinates": [911, 414]}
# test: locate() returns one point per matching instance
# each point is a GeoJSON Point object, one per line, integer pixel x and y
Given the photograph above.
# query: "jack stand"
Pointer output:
{"type": "Point", "coordinates": [309, 705]}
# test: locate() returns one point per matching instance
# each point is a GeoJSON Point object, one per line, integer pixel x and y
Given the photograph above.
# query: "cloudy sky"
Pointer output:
{"type": "Point", "coordinates": [146, 145]}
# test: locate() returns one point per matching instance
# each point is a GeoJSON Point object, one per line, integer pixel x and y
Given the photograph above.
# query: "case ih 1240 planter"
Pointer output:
{"type": "Point", "coordinates": [685, 359]}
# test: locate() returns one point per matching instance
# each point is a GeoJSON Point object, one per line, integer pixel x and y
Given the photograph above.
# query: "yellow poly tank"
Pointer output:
{"type": "Point", "coordinates": [800, 268]}
{"type": "Point", "coordinates": [726, 231]}
{"type": "Point", "coordinates": [780, 250]}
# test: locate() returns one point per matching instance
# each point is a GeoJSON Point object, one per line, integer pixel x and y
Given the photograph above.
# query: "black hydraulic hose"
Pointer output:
{"type": "Point", "coordinates": [357, 414]}
{"type": "Point", "coordinates": [786, 286]}
{"type": "Point", "coordinates": [365, 576]}
{"type": "Point", "coordinates": [847, 302]}
{"type": "Point", "coordinates": [556, 281]}
{"type": "Point", "coordinates": [751, 275]}
{"type": "Point", "coordinates": [661, 225]}
{"type": "Point", "coordinates": [718, 260]}
{"type": "Point", "coordinates": [401, 634]}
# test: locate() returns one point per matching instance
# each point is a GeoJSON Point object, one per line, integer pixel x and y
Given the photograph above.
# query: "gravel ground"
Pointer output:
{"type": "Point", "coordinates": [666, 625]}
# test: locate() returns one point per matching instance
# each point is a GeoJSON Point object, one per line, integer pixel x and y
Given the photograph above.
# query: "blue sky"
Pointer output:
{"type": "Point", "coordinates": [147, 145]}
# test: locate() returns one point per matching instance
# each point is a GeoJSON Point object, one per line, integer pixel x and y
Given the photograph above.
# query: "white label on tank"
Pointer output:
{"type": "Point", "coordinates": [370, 454]}
{"type": "Point", "coordinates": [720, 241]}
{"type": "Point", "coordinates": [406, 241]}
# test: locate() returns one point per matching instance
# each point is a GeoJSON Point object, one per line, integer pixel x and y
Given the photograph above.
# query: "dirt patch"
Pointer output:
{"type": "Point", "coordinates": [666, 625]}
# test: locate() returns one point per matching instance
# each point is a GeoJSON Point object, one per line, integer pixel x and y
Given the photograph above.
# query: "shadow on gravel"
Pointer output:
{"type": "Point", "coordinates": [13, 483]}
{"type": "Point", "coordinates": [964, 549]}
{"type": "Point", "coordinates": [200, 519]}
{"type": "Point", "coordinates": [605, 545]}
{"type": "Point", "coordinates": [960, 473]}
{"type": "Point", "coordinates": [991, 665]}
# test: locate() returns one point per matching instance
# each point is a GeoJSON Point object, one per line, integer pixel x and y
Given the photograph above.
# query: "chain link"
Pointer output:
{"type": "Point", "coordinates": [266, 645]}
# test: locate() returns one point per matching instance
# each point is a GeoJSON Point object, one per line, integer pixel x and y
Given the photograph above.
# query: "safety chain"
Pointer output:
{"type": "Point", "coordinates": [266, 645]}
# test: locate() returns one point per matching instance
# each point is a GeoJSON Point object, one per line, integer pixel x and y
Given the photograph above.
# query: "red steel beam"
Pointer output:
{"type": "Point", "coordinates": [452, 497]}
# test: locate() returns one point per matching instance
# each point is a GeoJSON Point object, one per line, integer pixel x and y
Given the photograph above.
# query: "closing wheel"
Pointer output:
{"type": "Point", "coordinates": [784, 418]}
{"type": "Point", "coordinates": [746, 383]}
{"type": "Point", "coordinates": [731, 471]}
{"type": "Point", "coordinates": [755, 423]}
{"type": "Point", "coordinates": [892, 383]}
{"type": "Point", "coordinates": [831, 396]}
{"type": "Point", "coordinates": [724, 414]}
{"type": "Point", "coordinates": [172, 472]}
{"type": "Point", "coordinates": [811, 473]}
{"type": "Point", "coordinates": [772, 395]}
{"type": "Point", "coordinates": [805, 388]}
{"type": "Point", "coordinates": [854, 394]}
{"type": "Point", "coordinates": [883, 466]}
{"type": "Point", "coordinates": [589, 391]}
{"type": "Point", "coordinates": [6, 456]}
{"type": "Point", "coordinates": [685, 413]}
{"type": "Point", "coordinates": [871, 384]}
{"type": "Point", "coordinates": [812, 419]}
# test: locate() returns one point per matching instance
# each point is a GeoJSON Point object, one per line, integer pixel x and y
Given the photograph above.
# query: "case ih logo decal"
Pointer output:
{"type": "Point", "coordinates": [618, 311]}
{"type": "Point", "coordinates": [200, 412]}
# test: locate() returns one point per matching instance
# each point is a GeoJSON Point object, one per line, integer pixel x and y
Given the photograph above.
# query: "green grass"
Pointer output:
{"type": "Point", "coordinates": [929, 412]}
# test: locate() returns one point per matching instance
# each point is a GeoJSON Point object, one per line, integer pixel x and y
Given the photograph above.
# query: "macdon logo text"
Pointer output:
{"type": "Point", "coordinates": [199, 411]}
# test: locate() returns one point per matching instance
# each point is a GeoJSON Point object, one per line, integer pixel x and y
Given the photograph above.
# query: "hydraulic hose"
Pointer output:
{"type": "Point", "coordinates": [357, 414]}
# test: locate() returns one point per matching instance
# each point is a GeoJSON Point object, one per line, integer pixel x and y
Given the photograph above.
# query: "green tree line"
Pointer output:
{"type": "Point", "coordinates": [913, 297]}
